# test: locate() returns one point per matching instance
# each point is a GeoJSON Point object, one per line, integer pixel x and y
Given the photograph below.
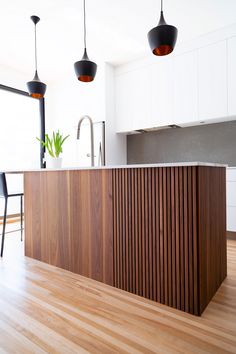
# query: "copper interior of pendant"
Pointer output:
{"type": "Point", "coordinates": [85, 78]}
{"type": "Point", "coordinates": [36, 95]}
{"type": "Point", "coordinates": [163, 50]}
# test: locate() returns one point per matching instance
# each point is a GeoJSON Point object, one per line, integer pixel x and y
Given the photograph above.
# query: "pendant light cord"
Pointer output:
{"type": "Point", "coordinates": [85, 44]}
{"type": "Point", "coordinates": [161, 5]}
{"type": "Point", "coordinates": [35, 48]}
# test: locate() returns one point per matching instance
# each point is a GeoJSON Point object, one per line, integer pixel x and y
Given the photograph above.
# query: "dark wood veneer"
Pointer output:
{"type": "Point", "coordinates": [68, 221]}
{"type": "Point", "coordinates": [156, 232]}
{"type": "Point", "coordinates": [170, 228]}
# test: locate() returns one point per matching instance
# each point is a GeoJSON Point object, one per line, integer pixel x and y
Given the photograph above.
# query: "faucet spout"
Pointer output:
{"type": "Point", "coordinates": [91, 135]}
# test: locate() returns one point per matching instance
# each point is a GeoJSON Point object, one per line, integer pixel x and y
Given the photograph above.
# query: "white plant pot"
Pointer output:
{"type": "Point", "coordinates": [53, 162]}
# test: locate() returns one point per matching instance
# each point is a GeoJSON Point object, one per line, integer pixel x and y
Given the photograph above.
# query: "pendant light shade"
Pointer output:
{"type": "Point", "coordinates": [36, 88]}
{"type": "Point", "coordinates": [85, 69]}
{"type": "Point", "coordinates": [162, 39]}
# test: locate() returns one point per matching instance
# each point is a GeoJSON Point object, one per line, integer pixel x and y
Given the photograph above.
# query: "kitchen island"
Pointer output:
{"type": "Point", "coordinates": [158, 231]}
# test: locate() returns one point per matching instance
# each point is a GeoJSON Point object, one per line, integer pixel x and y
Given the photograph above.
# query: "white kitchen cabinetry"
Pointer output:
{"type": "Point", "coordinates": [212, 63]}
{"type": "Point", "coordinates": [133, 100]}
{"type": "Point", "coordinates": [183, 89]}
{"type": "Point", "coordinates": [185, 107]}
{"type": "Point", "coordinates": [162, 93]}
{"type": "Point", "coordinates": [231, 199]}
{"type": "Point", "coordinates": [122, 93]}
{"type": "Point", "coordinates": [232, 76]}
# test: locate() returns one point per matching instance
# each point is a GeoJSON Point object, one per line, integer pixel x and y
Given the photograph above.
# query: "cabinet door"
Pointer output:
{"type": "Point", "coordinates": [185, 88]}
{"type": "Point", "coordinates": [133, 100]}
{"type": "Point", "coordinates": [123, 115]}
{"type": "Point", "coordinates": [213, 81]}
{"type": "Point", "coordinates": [232, 76]}
{"type": "Point", "coordinates": [161, 92]}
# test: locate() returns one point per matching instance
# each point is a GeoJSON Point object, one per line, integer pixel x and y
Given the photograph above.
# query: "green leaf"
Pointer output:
{"type": "Point", "coordinates": [54, 144]}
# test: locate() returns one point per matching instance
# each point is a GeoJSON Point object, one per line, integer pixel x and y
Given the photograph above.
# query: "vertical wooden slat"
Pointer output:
{"type": "Point", "coordinates": [173, 239]}
{"type": "Point", "coordinates": [195, 243]}
{"type": "Point", "coordinates": [127, 235]}
{"type": "Point", "coordinates": [120, 220]}
{"type": "Point", "coordinates": [177, 240]}
{"type": "Point", "coordinates": [159, 249]}
{"type": "Point", "coordinates": [140, 266]}
{"type": "Point", "coordinates": [132, 229]}
{"type": "Point", "coordinates": [165, 234]}
{"type": "Point", "coordinates": [181, 230]}
{"type": "Point", "coordinates": [136, 242]}
{"type": "Point", "coordinates": [150, 234]}
{"type": "Point", "coordinates": [186, 241]}
{"type": "Point", "coordinates": [161, 211]}
{"type": "Point", "coordinates": [190, 238]}
{"type": "Point", "coordinates": [154, 234]}
{"type": "Point", "coordinates": [146, 240]}
{"type": "Point", "coordinates": [157, 238]}
{"type": "Point", "coordinates": [123, 226]}
{"type": "Point", "coordinates": [114, 209]}
{"type": "Point", "coordinates": [169, 237]}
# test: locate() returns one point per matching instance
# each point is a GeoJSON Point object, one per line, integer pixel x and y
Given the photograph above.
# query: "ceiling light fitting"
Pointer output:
{"type": "Point", "coordinates": [36, 87]}
{"type": "Point", "coordinates": [162, 39]}
{"type": "Point", "coordinates": [85, 69]}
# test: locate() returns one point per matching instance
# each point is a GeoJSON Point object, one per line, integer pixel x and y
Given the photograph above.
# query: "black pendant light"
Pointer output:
{"type": "Point", "coordinates": [36, 87]}
{"type": "Point", "coordinates": [85, 69]}
{"type": "Point", "coordinates": [162, 39]}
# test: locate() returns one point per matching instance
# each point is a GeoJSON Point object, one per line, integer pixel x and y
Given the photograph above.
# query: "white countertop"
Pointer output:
{"type": "Point", "coordinates": [174, 164]}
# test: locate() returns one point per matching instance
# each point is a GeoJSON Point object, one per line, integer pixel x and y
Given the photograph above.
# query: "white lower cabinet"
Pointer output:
{"type": "Point", "coordinates": [231, 199]}
{"type": "Point", "coordinates": [231, 219]}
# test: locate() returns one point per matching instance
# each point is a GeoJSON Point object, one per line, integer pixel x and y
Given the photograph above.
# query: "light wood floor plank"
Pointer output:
{"type": "Point", "coordinates": [44, 309]}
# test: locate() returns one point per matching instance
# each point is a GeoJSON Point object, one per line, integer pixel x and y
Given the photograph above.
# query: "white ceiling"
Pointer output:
{"type": "Point", "coordinates": [117, 29]}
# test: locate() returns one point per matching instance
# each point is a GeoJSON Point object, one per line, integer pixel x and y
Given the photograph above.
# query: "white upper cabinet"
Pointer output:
{"type": "Point", "coordinates": [122, 93]}
{"type": "Point", "coordinates": [232, 76]}
{"type": "Point", "coordinates": [185, 107]}
{"type": "Point", "coordinates": [192, 85]}
{"type": "Point", "coordinates": [133, 102]}
{"type": "Point", "coordinates": [213, 81]}
{"type": "Point", "coordinates": [161, 93]}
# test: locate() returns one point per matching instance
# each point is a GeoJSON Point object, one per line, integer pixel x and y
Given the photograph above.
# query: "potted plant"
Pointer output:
{"type": "Point", "coordinates": [53, 148]}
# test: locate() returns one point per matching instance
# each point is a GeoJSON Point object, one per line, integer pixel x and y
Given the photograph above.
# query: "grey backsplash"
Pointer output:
{"type": "Point", "coordinates": [205, 143]}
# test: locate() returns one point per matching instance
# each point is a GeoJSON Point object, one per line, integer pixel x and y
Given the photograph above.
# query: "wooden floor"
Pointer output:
{"type": "Point", "coordinates": [45, 309]}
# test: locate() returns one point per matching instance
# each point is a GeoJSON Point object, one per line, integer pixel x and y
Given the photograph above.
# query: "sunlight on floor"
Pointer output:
{"type": "Point", "coordinates": [14, 248]}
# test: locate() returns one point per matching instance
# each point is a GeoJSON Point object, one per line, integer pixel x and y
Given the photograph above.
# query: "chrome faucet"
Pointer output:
{"type": "Point", "coordinates": [91, 135]}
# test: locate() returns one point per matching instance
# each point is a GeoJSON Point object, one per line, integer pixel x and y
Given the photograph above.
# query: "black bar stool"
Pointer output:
{"type": "Point", "coordinates": [4, 194]}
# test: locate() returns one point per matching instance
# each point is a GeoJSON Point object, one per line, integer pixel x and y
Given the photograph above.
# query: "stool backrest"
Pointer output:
{"type": "Point", "coordinates": [3, 185]}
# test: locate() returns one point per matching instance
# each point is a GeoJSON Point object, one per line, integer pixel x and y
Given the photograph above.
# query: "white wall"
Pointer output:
{"type": "Point", "coordinates": [13, 78]}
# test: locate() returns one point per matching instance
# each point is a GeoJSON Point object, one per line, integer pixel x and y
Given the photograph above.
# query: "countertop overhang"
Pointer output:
{"type": "Point", "coordinates": [173, 164]}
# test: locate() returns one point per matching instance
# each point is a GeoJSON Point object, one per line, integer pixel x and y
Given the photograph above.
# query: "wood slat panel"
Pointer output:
{"type": "Point", "coordinates": [156, 232]}
{"type": "Point", "coordinates": [163, 209]}
{"type": "Point", "coordinates": [212, 231]}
